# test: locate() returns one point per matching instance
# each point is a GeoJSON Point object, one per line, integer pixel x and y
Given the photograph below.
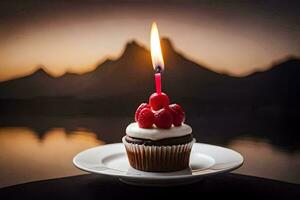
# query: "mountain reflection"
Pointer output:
{"type": "Point", "coordinates": [42, 147]}
{"type": "Point", "coordinates": [24, 157]}
{"type": "Point", "coordinates": [264, 160]}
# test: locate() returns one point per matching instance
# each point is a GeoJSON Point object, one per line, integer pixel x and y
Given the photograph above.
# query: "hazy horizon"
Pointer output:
{"type": "Point", "coordinates": [234, 38]}
{"type": "Point", "coordinates": [113, 58]}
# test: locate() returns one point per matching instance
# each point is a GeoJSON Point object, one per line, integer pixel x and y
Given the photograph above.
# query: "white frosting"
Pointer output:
{"type": "Point", "coordinates": [133, 130]}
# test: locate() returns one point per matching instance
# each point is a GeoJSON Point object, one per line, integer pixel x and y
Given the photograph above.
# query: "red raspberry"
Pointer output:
{"type": "Point", "coordinates": [177, 114]}
{"type": "Point", "coordinates": [158, 101]}
{"type": "Point", "coordinates": [163, 118]}
{"type": "Point", "coordinates": [146, 118]}
{"type": "Point", "coordinates": [139, 109]}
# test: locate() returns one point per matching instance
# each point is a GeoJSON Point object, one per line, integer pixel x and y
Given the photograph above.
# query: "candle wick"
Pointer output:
{"type": "Point", "coordinates": [158, 69]}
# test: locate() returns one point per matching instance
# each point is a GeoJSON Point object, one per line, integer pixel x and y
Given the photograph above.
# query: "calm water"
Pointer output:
{"type": "Point", "coordinates": [42, 147]}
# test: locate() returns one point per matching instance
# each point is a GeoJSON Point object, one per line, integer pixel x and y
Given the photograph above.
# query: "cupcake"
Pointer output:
{"type": "Point", "coordinates": [159, 140]}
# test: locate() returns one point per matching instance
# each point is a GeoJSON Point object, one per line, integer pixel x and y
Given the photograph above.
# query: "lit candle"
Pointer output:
{"type": "Point", "coordinates": [156, 56]}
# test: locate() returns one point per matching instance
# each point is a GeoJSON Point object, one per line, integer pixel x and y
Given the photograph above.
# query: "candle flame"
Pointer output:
{"type": "Point", "coordinates": [156, 54]}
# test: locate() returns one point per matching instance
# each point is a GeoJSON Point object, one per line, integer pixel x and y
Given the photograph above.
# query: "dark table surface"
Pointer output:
{"type": "Point", "coordinates": [102, 187]}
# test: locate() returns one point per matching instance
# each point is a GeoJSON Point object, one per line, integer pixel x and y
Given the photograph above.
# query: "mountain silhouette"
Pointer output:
{"type": "Point", "coordinates": [129, 79]}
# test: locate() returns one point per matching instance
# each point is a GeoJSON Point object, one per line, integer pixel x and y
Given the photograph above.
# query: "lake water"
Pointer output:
{"type": "Point", "coordinates": [42, 147]}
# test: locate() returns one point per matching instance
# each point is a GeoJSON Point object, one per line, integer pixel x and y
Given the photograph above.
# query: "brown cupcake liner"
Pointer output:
{"type": "Point", "coordinates": [158, 158]}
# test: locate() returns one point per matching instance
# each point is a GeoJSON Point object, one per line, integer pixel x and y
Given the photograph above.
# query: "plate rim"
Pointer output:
{"type": "Point", "coordinates": [182, 176]}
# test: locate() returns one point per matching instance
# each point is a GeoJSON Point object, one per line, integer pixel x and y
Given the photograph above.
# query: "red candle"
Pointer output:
{"type": "Point", "coordinates": [158, 82]}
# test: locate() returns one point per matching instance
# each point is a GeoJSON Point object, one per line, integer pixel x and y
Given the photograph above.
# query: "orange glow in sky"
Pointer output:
{"type": "Point", "coordinates": [74, 41]}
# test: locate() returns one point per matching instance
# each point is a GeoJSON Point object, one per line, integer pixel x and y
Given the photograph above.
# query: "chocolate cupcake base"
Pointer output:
{"type": "Point", "coordinates": [163, 142]}
{"type": "Point", "coordinates": [158, 158]}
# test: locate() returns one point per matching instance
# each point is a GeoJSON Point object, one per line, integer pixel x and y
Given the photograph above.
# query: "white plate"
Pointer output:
{"type": "Point", "coordinates": [112, 160]}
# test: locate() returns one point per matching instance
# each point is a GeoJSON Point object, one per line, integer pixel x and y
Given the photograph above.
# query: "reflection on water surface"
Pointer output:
{"type": "Point", "coordinates": [25, 157]}
{"type": "Point", "coordinates": [264, 160]}
{"type": "Point", "coordinates": [33, 149]}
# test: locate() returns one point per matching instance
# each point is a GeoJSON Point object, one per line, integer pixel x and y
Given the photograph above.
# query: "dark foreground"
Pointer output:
{"type": "Point", "coordinates": [102, 187]}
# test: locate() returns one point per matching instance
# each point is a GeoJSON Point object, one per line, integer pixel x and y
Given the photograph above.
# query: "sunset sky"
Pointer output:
{"type": "Point", "coordinates": [231, 37]}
